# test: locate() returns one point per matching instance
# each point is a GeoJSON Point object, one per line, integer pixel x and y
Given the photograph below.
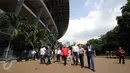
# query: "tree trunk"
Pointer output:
{"type": "Point", "coordinates": [8, 48]}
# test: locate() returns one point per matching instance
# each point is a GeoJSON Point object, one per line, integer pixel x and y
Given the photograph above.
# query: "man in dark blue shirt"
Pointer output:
{"type": "Point", "coordinates": [90, 53]}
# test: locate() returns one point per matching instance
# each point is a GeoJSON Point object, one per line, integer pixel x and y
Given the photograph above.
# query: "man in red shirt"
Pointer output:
{"type": "Point", "coordinates": [121, 55]}
{"type": "Point", "coordinates": [65, 52]}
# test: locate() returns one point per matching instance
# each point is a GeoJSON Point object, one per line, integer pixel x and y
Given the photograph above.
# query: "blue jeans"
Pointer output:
{"type": "Point", "coordinates": [91, 59]}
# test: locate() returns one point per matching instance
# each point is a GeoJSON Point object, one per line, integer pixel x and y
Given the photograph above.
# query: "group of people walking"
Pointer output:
{"type": "Point", "coordinates": [77, 53]}
{"type": "Point", "coordinates": [45, 52]}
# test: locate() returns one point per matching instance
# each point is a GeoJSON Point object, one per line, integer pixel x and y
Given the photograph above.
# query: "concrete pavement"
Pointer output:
{"type": "Point", "coordinates": [102, 65]}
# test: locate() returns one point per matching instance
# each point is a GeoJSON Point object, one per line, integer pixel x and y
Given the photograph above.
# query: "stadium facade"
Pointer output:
{"type": "Point", "coordinates": [51, 14]}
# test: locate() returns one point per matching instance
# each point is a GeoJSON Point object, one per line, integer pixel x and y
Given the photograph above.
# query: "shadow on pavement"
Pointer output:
{"type": "Point", "coordinates": [86, 67]}
{"type": "Point", "coordinates": [116, 57]}
{"type": "Point", "coordinates": [75, 65]}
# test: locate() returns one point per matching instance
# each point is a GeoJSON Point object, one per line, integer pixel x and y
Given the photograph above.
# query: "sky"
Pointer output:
{"type": "Point", "coordinates": [91, 18]}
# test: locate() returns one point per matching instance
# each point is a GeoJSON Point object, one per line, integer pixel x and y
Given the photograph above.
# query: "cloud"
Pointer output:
{"type": "Point", "coordinates": [103, 4]}
{"type": "Point", "coordinates": [96, 23]}
{"type": "Point", "coordinates": [94, 3]}
{"type": "Point", "coordinates": [86, 2]}
{"type": "Point", "coordinates": [101, 1]}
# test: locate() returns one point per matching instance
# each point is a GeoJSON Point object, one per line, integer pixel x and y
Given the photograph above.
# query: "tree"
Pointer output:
{"type": "Point", "coordinates": [32, 34]}
{"type": "Point", "coordinates": [11, 20]}
{"type": "Point", "coordinates": [22, 31]}
{"type": "Point", "coordinates": [124, 26]}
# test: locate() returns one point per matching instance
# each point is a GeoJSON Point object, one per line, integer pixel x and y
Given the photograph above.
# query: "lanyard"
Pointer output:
{"type": "Point", "coordinates": [89, 47]}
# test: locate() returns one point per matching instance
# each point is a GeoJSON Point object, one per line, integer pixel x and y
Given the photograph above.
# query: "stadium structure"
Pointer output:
{"type": "Point", "coordinates": [51, 14]}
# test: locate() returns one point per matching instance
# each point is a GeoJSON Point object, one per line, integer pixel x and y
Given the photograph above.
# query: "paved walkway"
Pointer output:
{"type": "Point", "coordinates": [103, 65]}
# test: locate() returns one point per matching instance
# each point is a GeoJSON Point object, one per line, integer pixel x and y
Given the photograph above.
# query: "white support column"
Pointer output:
{"type": "Point", "coordinates": [18, 6]}
{"type": "Point", "coordinates": [39, 15]}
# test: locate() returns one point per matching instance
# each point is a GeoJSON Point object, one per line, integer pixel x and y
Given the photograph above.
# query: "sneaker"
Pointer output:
{"type": "Point", "coordinates": [93, 70]}
{"type": "Point", "coordinates": [64, 64]}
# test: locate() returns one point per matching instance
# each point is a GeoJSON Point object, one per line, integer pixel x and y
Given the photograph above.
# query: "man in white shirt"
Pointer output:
{"type": "Point", "coordinates": [42, 54]}
{"type": "Point", "coordinates": [58, 54]}
{"type": "Point", "coordinates": [81, 56]}
{"type": "Point", "coordinates": [33, 54]}
{"type": "Point", "coordinates": [75, 53]}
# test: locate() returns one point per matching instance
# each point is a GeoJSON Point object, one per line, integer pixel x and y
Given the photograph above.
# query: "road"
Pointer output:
{"type": "Point", "coordinates": [102, 65]}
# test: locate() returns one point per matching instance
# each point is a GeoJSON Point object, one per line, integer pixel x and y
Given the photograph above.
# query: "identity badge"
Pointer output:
{"type": "Point", "coordinates": [89, 49]}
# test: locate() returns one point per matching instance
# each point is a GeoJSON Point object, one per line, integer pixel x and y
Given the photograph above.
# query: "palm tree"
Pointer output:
{"type": "Point", "coordinates": [29, 33]}
{"type": "Point", "coordinates": [32, 34]}
{"type": "Point", "coordinates": [10, 22]}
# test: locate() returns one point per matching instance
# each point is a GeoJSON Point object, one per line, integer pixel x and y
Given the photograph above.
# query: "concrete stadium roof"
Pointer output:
{"type": "Point", "coordinates": [59, 10]}
{"type": "Point", "coordinates": [55, 13]}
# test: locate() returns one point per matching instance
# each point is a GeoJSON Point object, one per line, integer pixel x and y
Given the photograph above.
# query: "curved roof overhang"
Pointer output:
{"type": "Point", "coordinates": [35, 7]}
{"type": "Point", "coordinates": [59, 10]}
{"type": "Point", "coordinates": [55, 12]}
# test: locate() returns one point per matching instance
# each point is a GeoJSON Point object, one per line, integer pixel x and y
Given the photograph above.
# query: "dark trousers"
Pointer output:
{"type": "Point", "coordinates": [49, 59]}
{"type": "Point", "coordinates": [42, 58]}
{"type": "Point", "coordinates": [58, 57]}
{"type": "Point", "coordinates": [75, 58]}
{"type": "Point", "coordinates": [65, 60]}
{"type": "Point", "coordinates": [121, 58]}
{"type": "Point", "coordinates": [62, 58]}
{"type": "Point", "coordinates": [90, 59]}
{"type": "Point", "coordinates": [81, 57]}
